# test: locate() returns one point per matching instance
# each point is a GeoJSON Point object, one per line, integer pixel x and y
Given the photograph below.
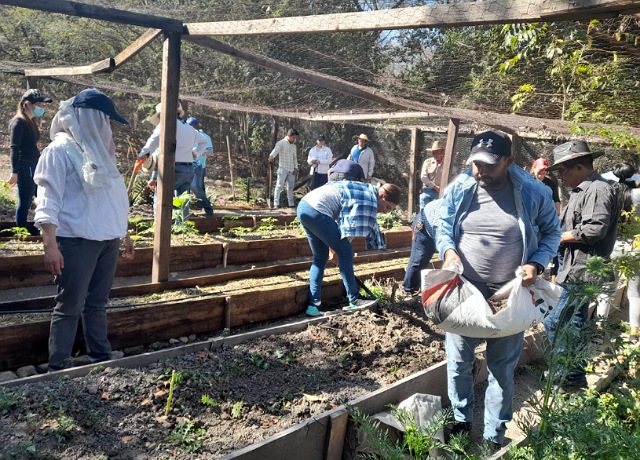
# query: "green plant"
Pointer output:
{"type": "Point", "coordinates": [207, 401]}
{"type": "Point", "coordinates": [267, 224]}
{"type": "Point", "coordinates": [236, 409]}
{"type": "Point", "coordinates": [416, 442]}
{"type": "Point", "coordinates": [5, 198]}
{"type": "Point", "coordinates": [287, 356]}
{"type": "Point", "coordinates": [175, 380]}
{"type": "Point", "coordinates": [389, 220]}
{"type": "Point", "coordinates": [17, 232]}
{"type": "Point", "coordinates": [8, 400]}
{"type": "Point", "coordinates": [61, 427]}
{"type": "Point", "coordinates": [181, 226]}
{"type": "Point", "coordinates": [189, 435]}
{"type": "Point", "coordinates": [259, 361]}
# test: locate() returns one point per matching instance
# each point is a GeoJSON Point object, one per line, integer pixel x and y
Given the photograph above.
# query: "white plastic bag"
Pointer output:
{"type": "Point", "coordinates": [456, 306]}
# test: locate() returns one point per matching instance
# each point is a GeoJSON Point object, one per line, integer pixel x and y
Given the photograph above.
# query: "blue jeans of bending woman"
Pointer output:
{"type": "Point", "coordinates": [26, 191]}
{"type": "Point", "coordinates": [323, 233]}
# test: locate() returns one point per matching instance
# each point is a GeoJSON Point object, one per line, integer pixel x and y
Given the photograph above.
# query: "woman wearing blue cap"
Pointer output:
{"type": "Point", "coordinates": [24, 135]}
{"type": "Point", "coordinates": [82, 213]}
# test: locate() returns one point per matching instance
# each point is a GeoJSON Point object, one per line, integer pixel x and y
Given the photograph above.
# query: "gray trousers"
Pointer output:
{"type": "Point", "coordinates": [83, 293]}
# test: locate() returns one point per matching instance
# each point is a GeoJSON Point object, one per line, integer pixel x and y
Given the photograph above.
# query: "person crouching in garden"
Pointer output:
{"type": "Point", "coordinates": [82, 213]}
{"type": "Point", "coordinates": [331, 216]}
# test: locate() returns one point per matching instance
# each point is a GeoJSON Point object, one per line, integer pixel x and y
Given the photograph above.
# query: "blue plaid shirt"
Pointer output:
{"type": "Point", "coordinates": [358, 211]}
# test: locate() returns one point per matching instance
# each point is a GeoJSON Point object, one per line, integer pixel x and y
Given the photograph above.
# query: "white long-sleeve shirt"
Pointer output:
{"type": "Point", "coordinates": [97, 215]}
{"type": "Point", "coordinates": [323, 155]}
{"type": "Point", "coordinates": [189, 142]}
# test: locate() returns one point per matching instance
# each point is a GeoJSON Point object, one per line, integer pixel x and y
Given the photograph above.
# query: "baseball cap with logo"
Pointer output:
{"type": "Point", "coordinates": [489, 146]}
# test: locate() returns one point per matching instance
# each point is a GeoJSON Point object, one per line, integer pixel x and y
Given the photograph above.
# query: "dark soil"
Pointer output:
{"type": "Point", "coordinates": [222, 400]}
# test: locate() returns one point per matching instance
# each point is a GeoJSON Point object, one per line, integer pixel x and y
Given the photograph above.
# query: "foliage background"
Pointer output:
{"type": "Point", "coordinates": [575, 70]}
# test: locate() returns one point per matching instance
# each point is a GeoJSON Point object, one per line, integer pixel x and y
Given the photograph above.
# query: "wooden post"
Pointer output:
{"type": "Point", "coordinates": [449, 152]}
{"type": "Point", "coordinates": [412, 172]}
{"type": "Point", "coordinates": [233, 184]}
{"type": "Point", "coordinates": [166, 163]}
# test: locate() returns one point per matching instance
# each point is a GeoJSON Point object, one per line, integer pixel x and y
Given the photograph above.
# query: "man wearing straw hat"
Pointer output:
{"type": "Point", "coordinates": [590, 223]}
{"type": "Point", "coordinates": [431, 174]}
{"type": "Point", "coordinates": [363, 155]}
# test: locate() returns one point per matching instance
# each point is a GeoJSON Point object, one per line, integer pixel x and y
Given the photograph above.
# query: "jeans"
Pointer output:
{"type": "Point", "coordinates": [576, 315]}
{"type": "Point", "coordinates": [83, 293]}
{"type": "Point", "coordinates": [198, 189]}
{"type": "Point", "coordinates": [183, 178]}
{"type": "Point", "coordinates": [428, 195]}
{"type": "Point", "coordinates": [288, 178]}
{"type": "Point", "coordinates": [502, 358]}
{"type": "Point", "coordinates": [323, 233]}
{"type": "Point", "coordinates": [422, 249]}
{"type": "Point", "coordinates": [319, 180]}
{"type": "Point", "coordinates": [27, 189]}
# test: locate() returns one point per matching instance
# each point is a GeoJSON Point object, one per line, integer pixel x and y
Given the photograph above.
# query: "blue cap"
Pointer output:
{"type": "Point", "coordinates": [192, 121]}
{"type": "Point", "coordinates": [93, 99]}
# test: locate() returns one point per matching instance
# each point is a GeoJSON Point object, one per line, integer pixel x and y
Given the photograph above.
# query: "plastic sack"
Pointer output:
{"type": "Point", "coordinates": [456, 306]}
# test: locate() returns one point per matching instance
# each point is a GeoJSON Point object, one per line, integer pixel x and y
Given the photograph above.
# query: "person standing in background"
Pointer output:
{"type": "Point", "coordinates": [319, 159]}
{"type": "Point", "coordinates": [431, 174]}
{"type": "Point", "coordinates": [200, 171]}
{"type": "Point", "coordinates": [287, 166]}
{"type": "Point", "coordinates": [539, 171]}
{"type": "Point", "coordinates": [82, 212]}
{"type": "Point", "coordinates": [363, 155]}
{"type": "Point", "coordinates": [189, 145]}
{"type": "Point", "coordinates": [589, 222]}
{"type": "Point", "coordinates": [24, 136]}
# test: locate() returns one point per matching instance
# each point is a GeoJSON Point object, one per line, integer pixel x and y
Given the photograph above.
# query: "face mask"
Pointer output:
{"type": "Point", "coordinates": [38, 111]}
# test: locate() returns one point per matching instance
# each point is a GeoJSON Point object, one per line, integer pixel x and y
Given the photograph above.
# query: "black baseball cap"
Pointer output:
{"type": "Point", "coordinates": [489, 146]}
{"type": "Point", "coordinates": [93, 99]}
{"type": "Point", "coordinates": [34, 95]}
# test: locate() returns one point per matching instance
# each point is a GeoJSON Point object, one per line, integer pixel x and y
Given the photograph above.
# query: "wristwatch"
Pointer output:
{"type": "Point", "coordinates": [539, 267]}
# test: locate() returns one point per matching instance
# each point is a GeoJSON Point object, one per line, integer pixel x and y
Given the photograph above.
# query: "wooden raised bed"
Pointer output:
{"type": "Point", "coordinates": [143, 325]}
{"type": "Point", "coordinates": [29, 271]}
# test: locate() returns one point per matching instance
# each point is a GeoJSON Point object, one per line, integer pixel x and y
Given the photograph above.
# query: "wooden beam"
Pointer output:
{"type": "Point", "coordinates": [310, 76]}
{"type": "Point", "coordinates": [449, 153]}
{"type": "Point", "coordinates": [138, 45]}
{"type": "Point", "coordinates": [166, 163]}
{"type": "Point", "coordinates": [54, 71]}
{"type": "Point", "coordinates": [412, 172]}
{"type": "Point", "coordinates": [438, 16]}
{"type": "Point", "coordinates": [100, 13]}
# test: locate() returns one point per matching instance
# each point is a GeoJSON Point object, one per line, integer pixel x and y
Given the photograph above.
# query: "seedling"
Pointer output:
{"type": "Point", "coordinates": [236, 410]}
{"type": "Point", "coordinates": [188, 435]}
{"type": "Point", "coordinates": [8, 400]}
{"type": "Point", "coordinates": [207, 401]}
{"type": "Point", "coordinates": [175, 379]}
{"type": "Point", "coordinates": [259, 361]}
{"type": "Point", "coordinates": [17, 232]}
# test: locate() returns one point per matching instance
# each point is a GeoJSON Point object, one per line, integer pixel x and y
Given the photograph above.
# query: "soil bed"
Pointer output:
{"type": "Point", "coordinates": [223, 400]}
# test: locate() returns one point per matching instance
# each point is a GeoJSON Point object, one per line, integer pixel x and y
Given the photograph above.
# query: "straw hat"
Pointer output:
{"type": "Point", "coordinates": [437, 145]}
{"type": "Point", "coordinates": [363, 137]}
{"type": "Point", "coordinates": [155, 118]}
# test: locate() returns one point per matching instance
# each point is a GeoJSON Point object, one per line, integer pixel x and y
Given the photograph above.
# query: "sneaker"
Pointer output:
{"type": "Point", "coordinates": [312, 310]}
{"type": "Point", "coordinates": [361, 304]}
{"type": "Point", "coordinates": [633, 335]}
